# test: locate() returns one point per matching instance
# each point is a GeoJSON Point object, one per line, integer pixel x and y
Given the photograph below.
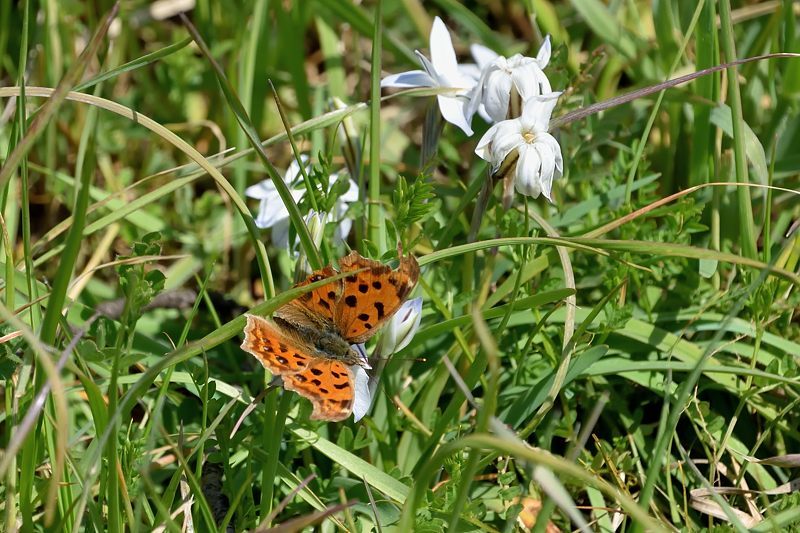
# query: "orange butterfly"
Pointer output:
{"type": "Point", "coordinates": [309, 343]}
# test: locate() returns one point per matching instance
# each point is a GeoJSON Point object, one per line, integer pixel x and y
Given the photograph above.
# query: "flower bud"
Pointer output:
{"type": "Point", "coordinates": [402, 327]}
{"type": "Point", "coordinates": [315, 222]}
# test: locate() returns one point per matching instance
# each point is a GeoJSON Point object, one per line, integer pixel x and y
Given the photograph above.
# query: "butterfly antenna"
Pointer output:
{"type": "Point", "coordinates": [415, 359]}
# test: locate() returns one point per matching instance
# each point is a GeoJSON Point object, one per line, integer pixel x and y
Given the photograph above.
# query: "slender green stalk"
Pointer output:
{"type": "Point", "coordinates": [747, 233]}
{"type": "Point", "coordinates": [375, 211]}
{"type": "Point", "coordinates": [295, 151]}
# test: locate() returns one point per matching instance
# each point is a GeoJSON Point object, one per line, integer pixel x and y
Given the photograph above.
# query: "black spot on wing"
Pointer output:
{"type": "Point", "coordinates": [316, 371]}
{"type": "Point", "coordinates": [351, 301]}
{"type": "Point", "coordinates": [363, 288]}
{"type": "Point", "coordinates": [379, 308]}
{"type": "Point", "coordinates": [376, 285]}
{"type": "Point", "coordinates": [363, 317]}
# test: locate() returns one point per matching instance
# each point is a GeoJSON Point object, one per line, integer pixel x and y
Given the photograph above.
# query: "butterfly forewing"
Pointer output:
{"type": "Point", "coordinates": [276, 351]}
{"type": "Point", "coordinates": [372, 296]}
{"type": "Point", "coordinates": [328, 384]}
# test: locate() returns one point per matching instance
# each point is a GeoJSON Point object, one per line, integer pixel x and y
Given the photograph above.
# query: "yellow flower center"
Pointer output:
{"type": "Point", "coordinates": [529, 137]}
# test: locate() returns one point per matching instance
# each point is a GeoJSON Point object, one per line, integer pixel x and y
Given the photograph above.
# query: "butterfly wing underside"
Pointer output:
{"type": "Point", "coordinates": [370, 297]}
{"type": "Point", "coordinates": [327, 383]}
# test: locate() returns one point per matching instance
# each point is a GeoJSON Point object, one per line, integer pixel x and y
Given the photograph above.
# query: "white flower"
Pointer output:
{"type": "Point", "coordinates": [500, 75]}
{"type": "Point", "coordinates": [539, 155]}
{"type": "Point", "coordinates": [402, 327]}
{"type": "Point", "coordinates": [362, 395]}
{"type": "Point", "coordinates": [272, 213]}
{"type": "Point", "coordinates": [362, 398]}
{"type": "Point", "coordinates": [483, 56]}
{"type": "Point", "coordinates": [441, 71]}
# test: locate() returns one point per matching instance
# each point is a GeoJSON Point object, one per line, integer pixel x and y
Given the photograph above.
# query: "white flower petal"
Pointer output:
{"type": "Point", "coordinates": [548, 160]}
{"type": "Point", "coordinates": [496, 93]}
{"type": "Point", "coordinates": [482, 55]}
{"type": "Point", "coordinates": [263, 190]}
{"type": "Point", "coordinates": [484, 148]}
{"type": "Point", "coordinates": [280, 233]}
{"type": "Point", "coordinates": [406, 323]}
{"type": "Point", "coordinates": [528, 172]}
{"type": "Point", "coordinates": [362, 398]}
{"type": "Point", "coordinates": [270, 213]}
{"type": "Point", "coordinates": [530, 81]}
{"type": "Point", "coordinates": [536, 111]}
{"type": "Point", "coordinates": [293, 172]}
{"type": "Point", "coordinates": [412, 78]}
{"type": "Point", "coordinates": [508, 133]}
{"type": "Point", "coordinates": [443, 56]}
{"type": "Point", "coordinates": [471, 71]}
{"type": "Point", "coordinates": [343, 230]}
{"type": "Point", "coordinates": [352, 193]}
{"type": "Point", "coordinates": [452, 109]}
{"type": "Point", "coordinates": [555, 148]}
{"type": "Point", "coordinates": [543, 56]}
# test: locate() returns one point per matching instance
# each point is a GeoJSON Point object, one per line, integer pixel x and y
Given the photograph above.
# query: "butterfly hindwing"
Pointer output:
{"type": "Point", "coordinates": [328, 384]}
{"type": "Point", "coordinates": [276, 351]}
{"type": "Point", "coordinates": [372, 296]}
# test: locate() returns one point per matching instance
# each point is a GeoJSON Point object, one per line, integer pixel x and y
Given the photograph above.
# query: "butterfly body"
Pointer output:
{"type": "Point", "coordinates": [309, 344]}
{"type": "Point", "coordinates": [328, 344]}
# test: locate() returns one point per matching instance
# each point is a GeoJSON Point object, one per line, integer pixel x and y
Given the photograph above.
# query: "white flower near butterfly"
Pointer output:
{"type": "Point", "coordinates": [539, 160]}
{"type": "Point", "coordinates": [362, 395]}
{"type": "Point", "coordinates": [501, 75]}
{"type": "Point", "coordinates": [272, 212]}
{"type": "Point", "coordinates": [396, 335]}
{"type": "Point", "coordinates": [402, 327]}
{"type": "Point", "coordinates": [441, 71]}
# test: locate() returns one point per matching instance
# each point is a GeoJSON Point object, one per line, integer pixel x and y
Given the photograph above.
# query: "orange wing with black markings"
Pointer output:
{"type": "Point", "coordinates": [276, 351]}
{"type": "Point", "coordinates": [316, 307]}
{"type": "Point", "coordinates": [328, 384]}
{"type": "Point", "coordinates": [370, 297]}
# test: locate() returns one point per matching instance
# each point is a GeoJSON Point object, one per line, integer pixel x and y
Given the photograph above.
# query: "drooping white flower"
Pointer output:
{"type": "Point", "coordinates": [362, 395]}
{"type": "Point", "coordinates": [539, 154]}
{"type": "Point", "coordinates": [272, 213]}
{"type": "Point", "coordinates": [397, 334]}
{"type": "Point", "coordinates": [402, 327]}
{"type": "Point", "coordinates": [499, 75]}
{"type": "Point", "coordinates": [441, 71]}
